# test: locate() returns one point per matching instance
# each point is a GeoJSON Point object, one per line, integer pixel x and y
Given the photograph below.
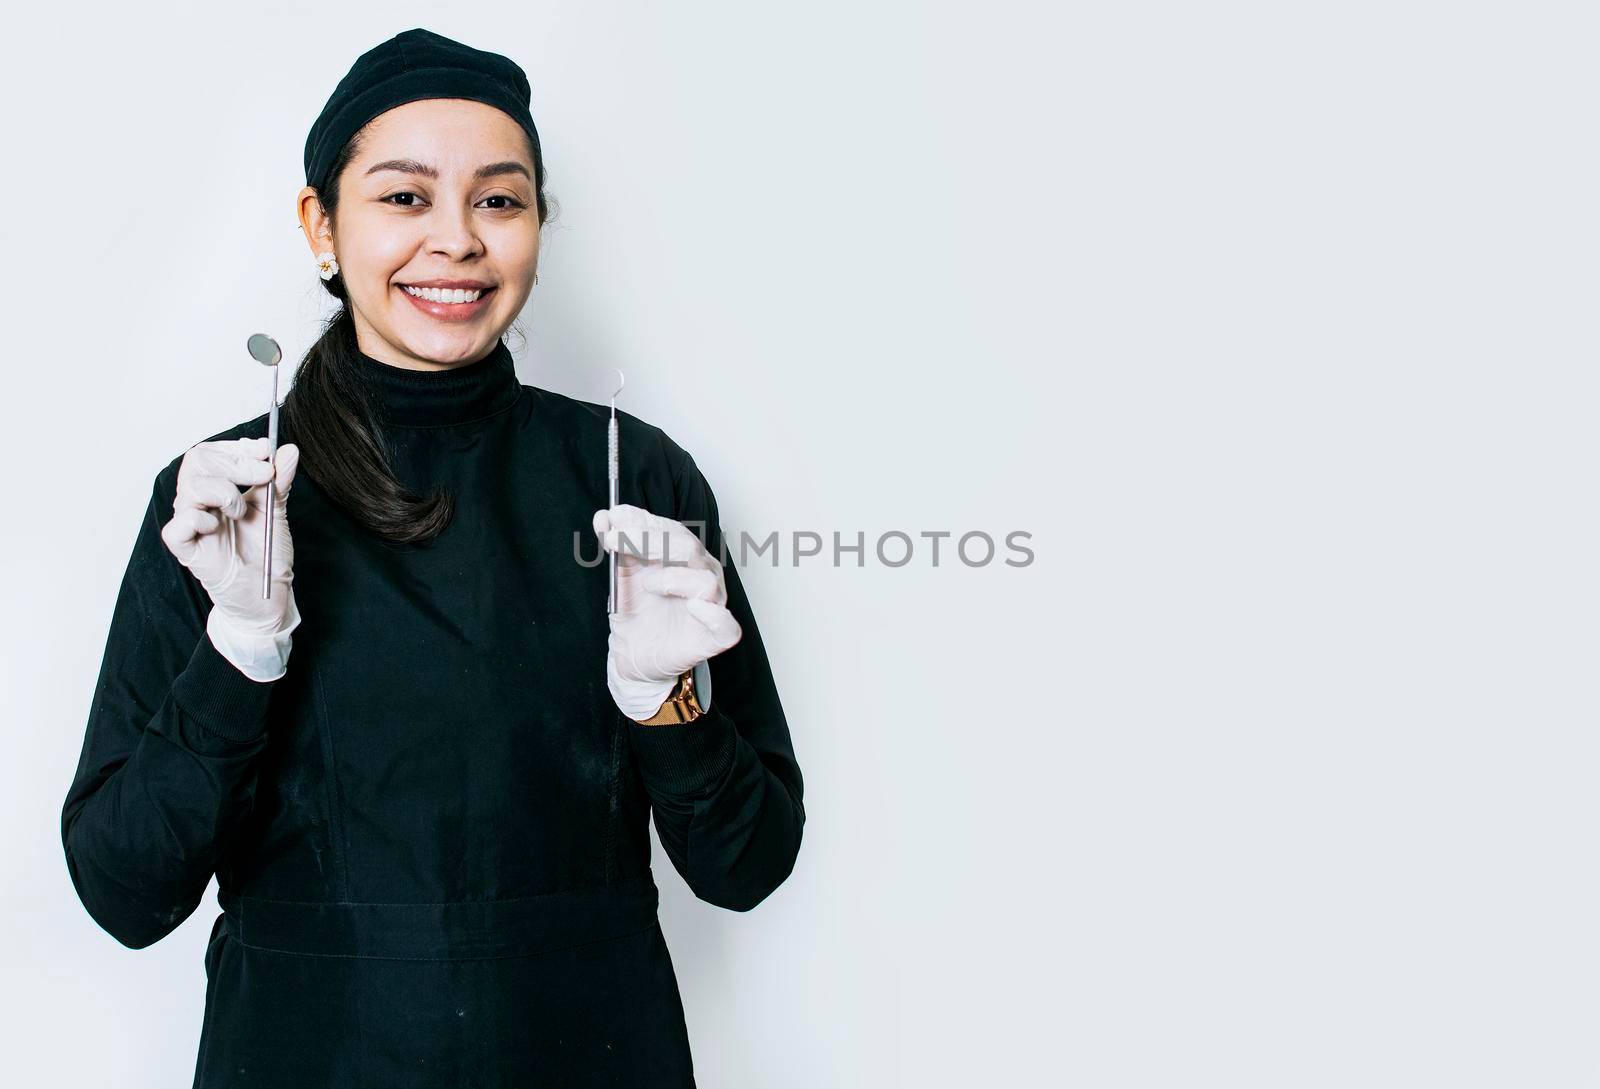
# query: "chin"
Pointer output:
{"type": "Point", "coordinates": [449, 346]}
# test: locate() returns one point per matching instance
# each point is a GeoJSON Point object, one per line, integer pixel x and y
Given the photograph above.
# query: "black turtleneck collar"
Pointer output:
{"type": "Point", "coordinates": [437, 398]}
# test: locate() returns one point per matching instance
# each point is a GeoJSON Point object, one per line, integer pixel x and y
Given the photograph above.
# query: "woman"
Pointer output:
{"type": "Point", "coordinates": [422, 769]}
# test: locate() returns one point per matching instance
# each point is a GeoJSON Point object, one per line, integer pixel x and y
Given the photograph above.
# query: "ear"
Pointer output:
{"type": "Point", "coordinates": [315, 223]}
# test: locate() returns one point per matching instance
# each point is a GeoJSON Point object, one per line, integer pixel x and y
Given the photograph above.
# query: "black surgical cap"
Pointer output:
{"type": "Point", "coordinates": [415, 64]}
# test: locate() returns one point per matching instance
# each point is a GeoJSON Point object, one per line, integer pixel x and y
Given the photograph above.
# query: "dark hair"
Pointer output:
{"type": "Point", "coordinates": [329, 415]}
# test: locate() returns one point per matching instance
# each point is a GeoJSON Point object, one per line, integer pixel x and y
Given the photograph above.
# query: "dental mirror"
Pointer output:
{"type": "Point", "coordinates": [265, 351]}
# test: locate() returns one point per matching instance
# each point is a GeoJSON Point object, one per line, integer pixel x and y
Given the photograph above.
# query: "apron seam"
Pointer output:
{"type": "Point", "coordinates": [445, 960]}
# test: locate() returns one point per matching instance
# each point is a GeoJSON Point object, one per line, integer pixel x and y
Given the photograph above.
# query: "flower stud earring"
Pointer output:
{"type": "Point", "coordinates": [327, 264]}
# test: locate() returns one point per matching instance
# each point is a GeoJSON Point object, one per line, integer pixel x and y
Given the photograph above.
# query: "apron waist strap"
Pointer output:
{"type": "Point", "coordinates": [460, 930]}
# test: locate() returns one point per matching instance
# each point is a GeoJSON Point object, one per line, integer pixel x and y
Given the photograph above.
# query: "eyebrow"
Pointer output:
{"type": "Point", "coordinates": [488, 170]}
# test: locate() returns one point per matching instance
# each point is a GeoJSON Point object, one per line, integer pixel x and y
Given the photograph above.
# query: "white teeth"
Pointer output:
{"type": "Point", "coordinates": [442, 294]}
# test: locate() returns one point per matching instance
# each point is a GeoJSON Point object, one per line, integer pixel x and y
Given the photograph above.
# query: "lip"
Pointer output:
{"type": "Point", "coordinates": [449, 311]}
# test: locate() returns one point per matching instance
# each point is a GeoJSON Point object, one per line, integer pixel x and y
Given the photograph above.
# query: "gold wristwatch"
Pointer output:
{"type": "Point", "coordinates": [681, 705]}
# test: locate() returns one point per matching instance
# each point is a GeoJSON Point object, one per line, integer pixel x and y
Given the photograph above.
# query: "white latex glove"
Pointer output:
{"type": "Point", "coordinates": [216, 532]}
{"type": "Point", "coordinates": [672, 606]}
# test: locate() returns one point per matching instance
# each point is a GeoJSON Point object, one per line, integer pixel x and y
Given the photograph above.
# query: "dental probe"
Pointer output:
{"type": "Point", "coordinates": [611, 477]}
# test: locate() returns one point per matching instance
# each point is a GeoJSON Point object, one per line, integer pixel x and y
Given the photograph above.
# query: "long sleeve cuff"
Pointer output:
{"type": "Point", "coordinates": [685, 758]}
{"type": "Point", "coordinates": [221, 698]}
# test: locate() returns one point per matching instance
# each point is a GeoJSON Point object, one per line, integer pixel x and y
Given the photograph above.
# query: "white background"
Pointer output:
{"type": "Point", "coordinates": [1272, 323]}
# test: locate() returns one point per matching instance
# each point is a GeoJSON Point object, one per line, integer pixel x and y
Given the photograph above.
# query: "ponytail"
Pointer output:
{"type": "Point", "coordinates": [330, 416]}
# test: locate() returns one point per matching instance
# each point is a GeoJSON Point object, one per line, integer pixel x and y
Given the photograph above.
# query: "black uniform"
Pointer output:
{"type": "Point", "coordinates": [430, 835]}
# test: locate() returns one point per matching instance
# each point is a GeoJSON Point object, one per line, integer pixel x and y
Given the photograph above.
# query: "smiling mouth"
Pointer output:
{"type": "Point", "coordinates": [447, 296]}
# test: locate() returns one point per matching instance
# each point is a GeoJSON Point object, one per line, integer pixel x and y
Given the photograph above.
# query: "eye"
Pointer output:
{"type": "Point", "coordinates": [511, 202]}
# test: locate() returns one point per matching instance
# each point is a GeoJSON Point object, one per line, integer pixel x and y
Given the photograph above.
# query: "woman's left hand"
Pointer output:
{"type": "Point", "coordinates": [672, 606]}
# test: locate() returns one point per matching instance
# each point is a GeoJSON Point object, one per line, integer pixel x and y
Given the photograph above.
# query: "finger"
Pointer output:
{"type": "Point", "coordinates": [638, 547]}
{"type": "Point", "coordinates": [288, 464]}
{"type": "Point", "coordinates": [719, 622]}
{"type": "Point", "coordinates": [198, 521]}
{"type": "Point", "coordinates": [611, 541]}
{"type": "Point", "coordinates": [213, 492]}
{"type": "Point", "coordinates": [223, 451]}
{"type": "Point", "coordinates": [182, 533]}
{"type": "Point", "coordinates": [628, 516]}
{"type": "Point", "coordinates": [179, 540]}
{"type": "Point", "coordinates": [243, 461]}
{"type": "Point", "coordinates": [674, 533]}
{"type": "Point", "coordinates": [652, 538]}
{"type": "Point", "coordinates": [288, 460]}
{"type": "Point", "coordinates": [680, 582]}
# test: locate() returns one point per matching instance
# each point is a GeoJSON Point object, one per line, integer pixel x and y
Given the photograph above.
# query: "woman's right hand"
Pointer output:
{"type": "Point", "coordinates": [217, 531]}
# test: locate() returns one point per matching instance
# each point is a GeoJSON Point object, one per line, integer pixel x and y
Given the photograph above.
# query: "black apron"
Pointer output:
{"type": "Point", "coordinates": [433, 859]}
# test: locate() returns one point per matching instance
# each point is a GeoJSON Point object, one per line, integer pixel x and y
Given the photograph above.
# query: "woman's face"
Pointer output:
{"type": "Point", "coordinates": [441, 190]}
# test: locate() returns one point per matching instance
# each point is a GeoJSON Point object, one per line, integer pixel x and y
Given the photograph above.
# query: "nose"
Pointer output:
{"type": "Point", "coordinates": [450, 233]}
